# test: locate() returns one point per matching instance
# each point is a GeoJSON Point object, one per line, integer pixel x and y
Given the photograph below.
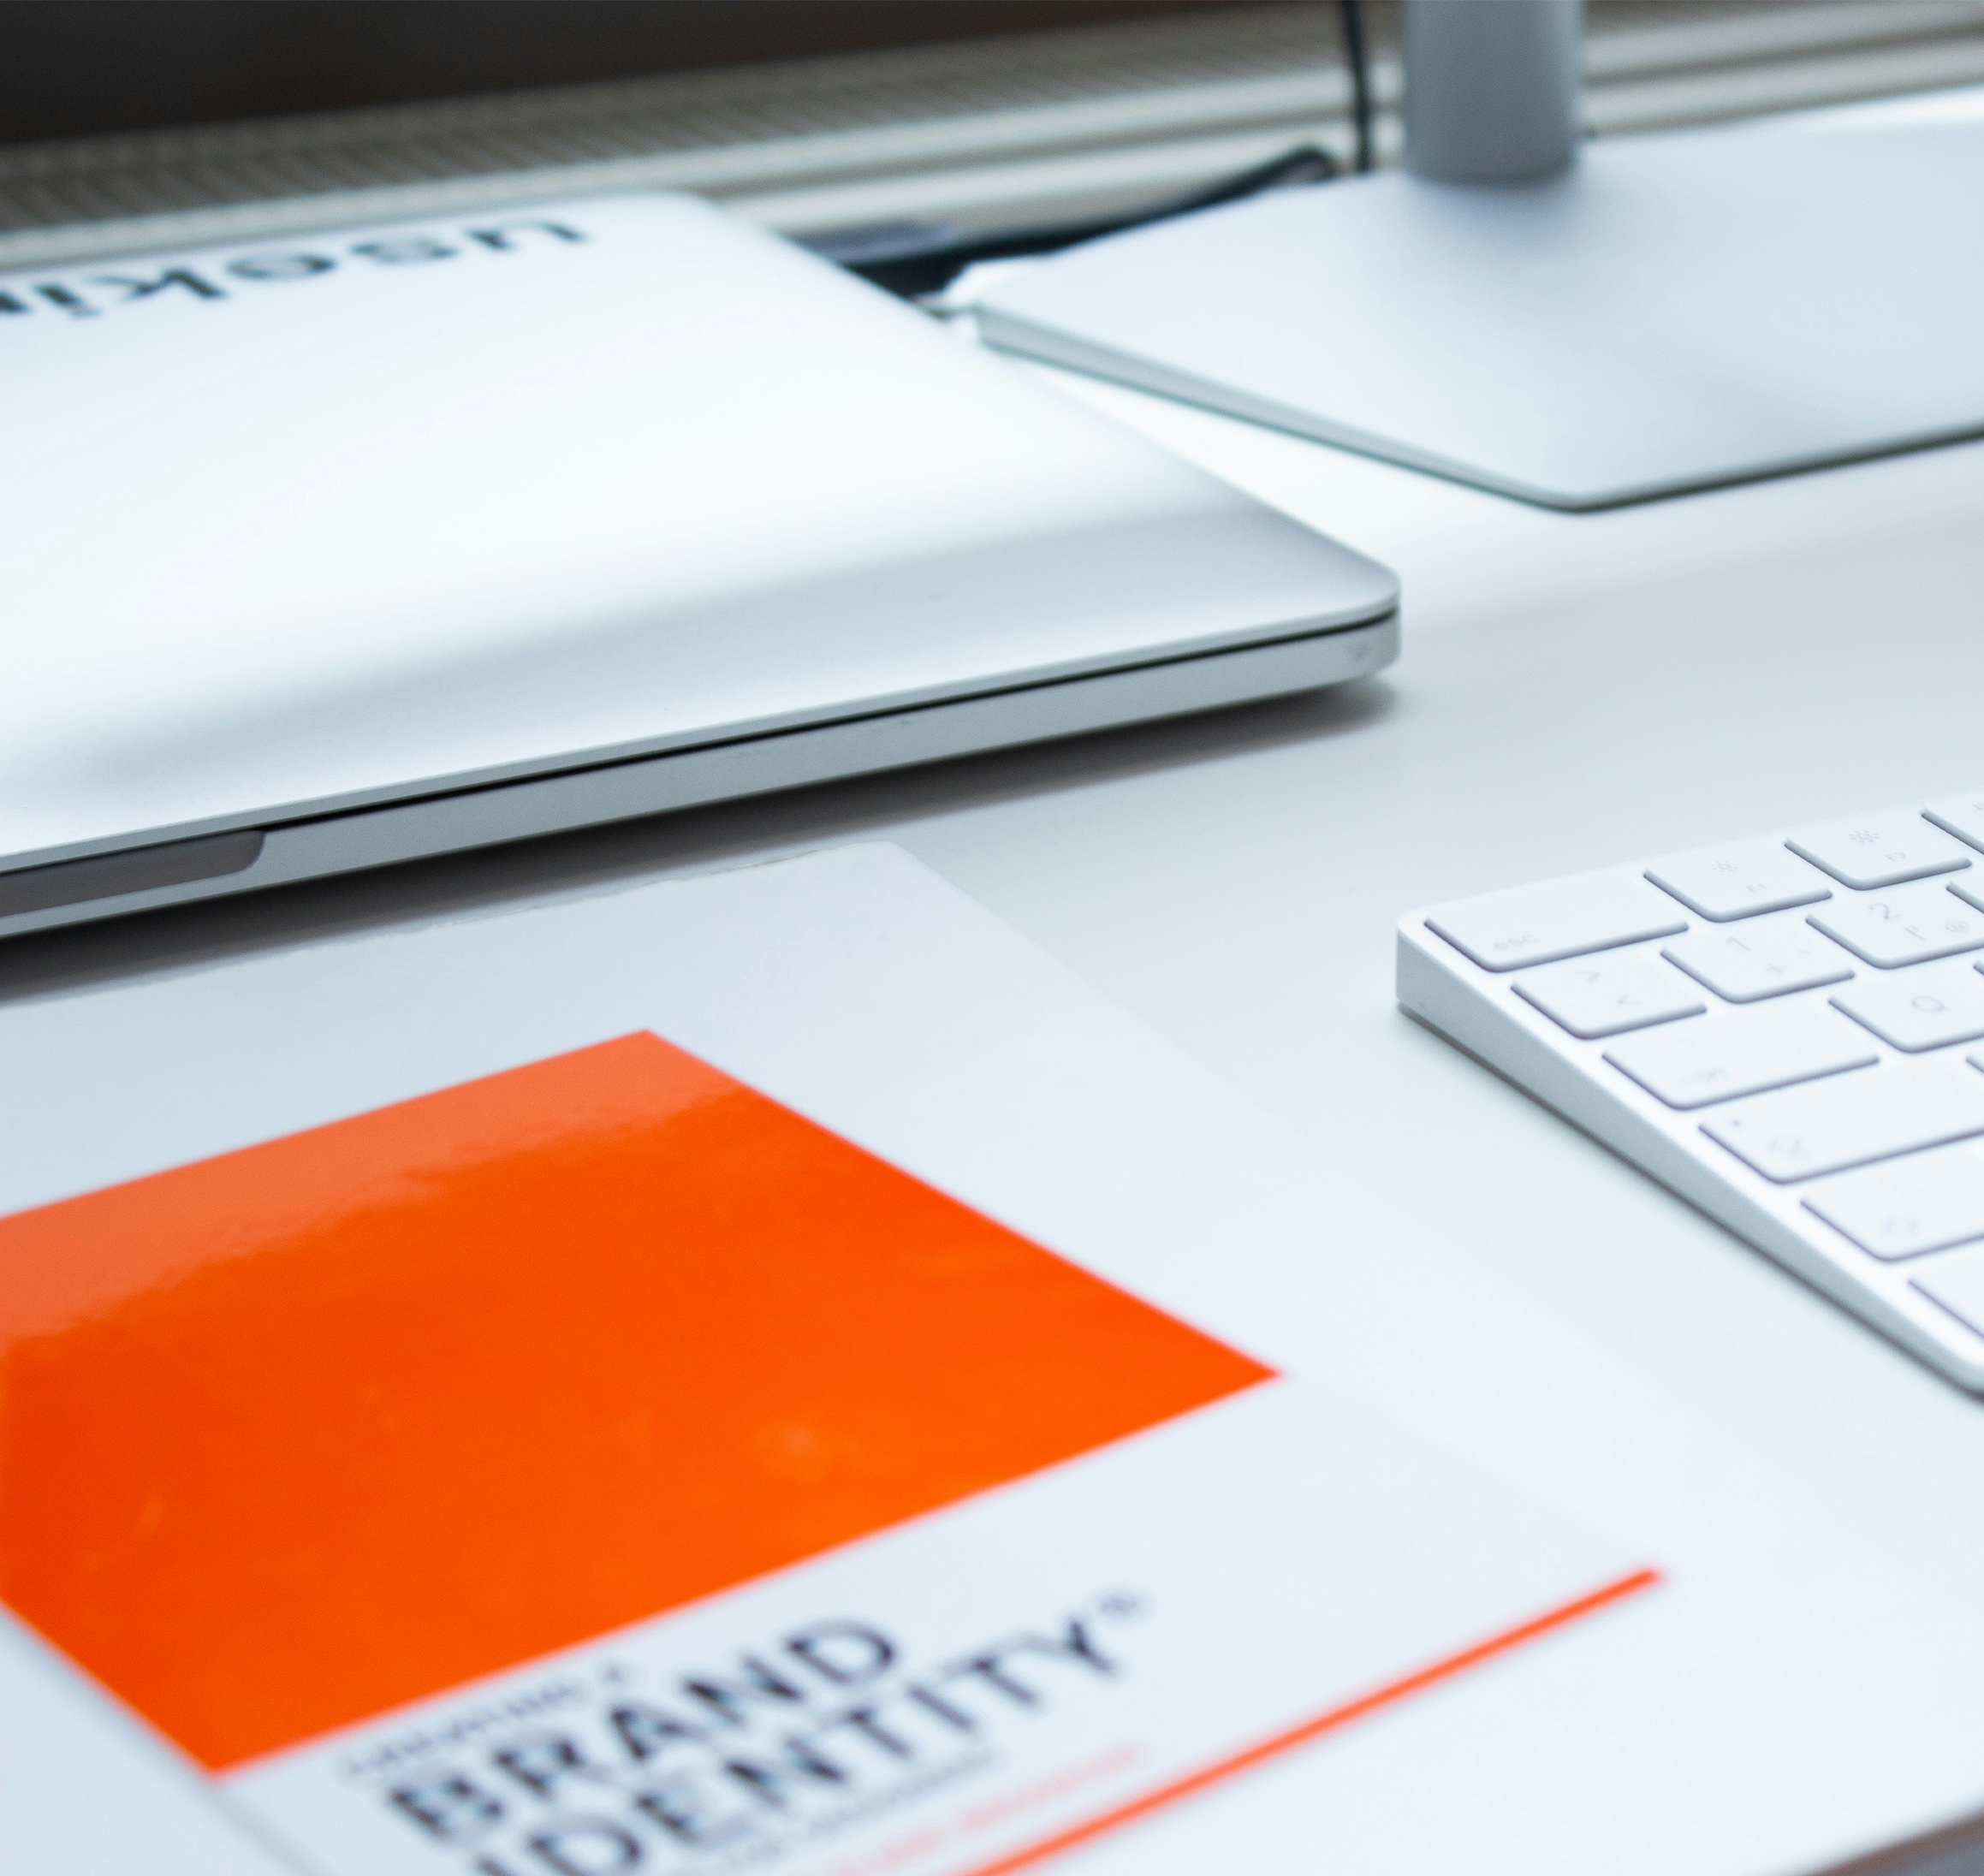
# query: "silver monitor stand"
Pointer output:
{"type": "Point", "coordinates": [1575, 324]}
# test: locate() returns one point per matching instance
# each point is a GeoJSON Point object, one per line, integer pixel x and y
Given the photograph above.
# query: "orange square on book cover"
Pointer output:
{"type": "Point", "coordinates": [299, 1433]}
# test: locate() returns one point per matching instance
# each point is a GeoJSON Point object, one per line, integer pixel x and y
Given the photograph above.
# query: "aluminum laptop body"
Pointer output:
{"type": "Point", "coordinates": [336, 550]}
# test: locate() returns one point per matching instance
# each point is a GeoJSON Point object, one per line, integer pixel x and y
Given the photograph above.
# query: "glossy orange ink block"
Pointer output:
{"type": "Point", "coordinates": [293, 1435]}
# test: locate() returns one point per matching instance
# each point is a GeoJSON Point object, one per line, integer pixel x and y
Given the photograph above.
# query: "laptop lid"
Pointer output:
{"type": "Point", "coordinates": [300, 527]}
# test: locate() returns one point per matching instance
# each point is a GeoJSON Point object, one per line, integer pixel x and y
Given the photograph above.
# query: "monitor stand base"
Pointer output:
{"type": "Point", "coordinates": [1676, 312]}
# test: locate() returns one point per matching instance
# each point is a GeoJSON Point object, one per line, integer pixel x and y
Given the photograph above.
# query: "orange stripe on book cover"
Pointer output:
{"type": "Point", "coordinates": [1335, 1717]}
{"type": "Point", "coordinates": [295, 1435]}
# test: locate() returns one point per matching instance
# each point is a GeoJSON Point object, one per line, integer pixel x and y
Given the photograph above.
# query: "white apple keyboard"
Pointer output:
{"type": "Point", "coordinates": [1788, 1032]}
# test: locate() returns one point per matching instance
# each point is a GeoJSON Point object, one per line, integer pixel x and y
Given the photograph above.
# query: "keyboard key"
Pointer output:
{"type": "Point", "coordinates": [1765, 959]}
{"type": "Point", "coordinates": [1969, 890]}
{"type": "Point", "coordinates": [1958, 1283]}
{"type": "Point", "coordinates": [1960, 815]}
{"type": "Point", "coordinates": [1879, 849]}
{"type": "Point", "coordinates": [1908, 925]}
{"type": "Point", "coordinates": [1739, 881]}
{"type": "Point", "coordinates": [1564, 918]}
{"type": "Point", "coordinates": [1928, 1008]}
{"type": "Point", "coordinates": [1901, 1208]}
{"type": "Point", "coordinates": [1606, 995]}
{"type": "Point", "coordinates": [1903, 1107]}
{"type": "Point", "coordinates": [1717, 1058]}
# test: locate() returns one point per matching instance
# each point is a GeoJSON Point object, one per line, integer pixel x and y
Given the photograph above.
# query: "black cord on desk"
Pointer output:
{"type": "Point", "coordinates": [1358, 60]}
{"type": "Point", "coordinates": [917, 259]}
{"type": "Point", "coordinates": [913, 259]}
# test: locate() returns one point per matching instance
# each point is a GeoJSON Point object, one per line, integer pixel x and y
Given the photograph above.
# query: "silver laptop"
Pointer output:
{"type": "Point", "coordinates": [338, 550]}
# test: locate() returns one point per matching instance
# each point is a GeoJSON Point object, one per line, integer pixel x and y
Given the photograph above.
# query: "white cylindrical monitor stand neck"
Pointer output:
{"type": "Point", "coordinates": [1493, 88]}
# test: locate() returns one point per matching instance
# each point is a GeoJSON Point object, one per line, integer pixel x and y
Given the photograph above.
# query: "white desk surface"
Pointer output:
{"type": "Point", "coordinates": [1574, 690]}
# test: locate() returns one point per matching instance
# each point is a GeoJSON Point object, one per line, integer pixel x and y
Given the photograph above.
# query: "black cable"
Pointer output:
{"type": "Point", "coordinates": [913, 259]}
{"type": "Point", "coordinates": [1358, 60]}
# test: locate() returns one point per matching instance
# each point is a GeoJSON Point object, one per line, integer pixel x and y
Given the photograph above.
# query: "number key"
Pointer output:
{"type": "Point", "coordinates": [1766, 958]}
{"type": "Point", "coordinates": [1909, 925]}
